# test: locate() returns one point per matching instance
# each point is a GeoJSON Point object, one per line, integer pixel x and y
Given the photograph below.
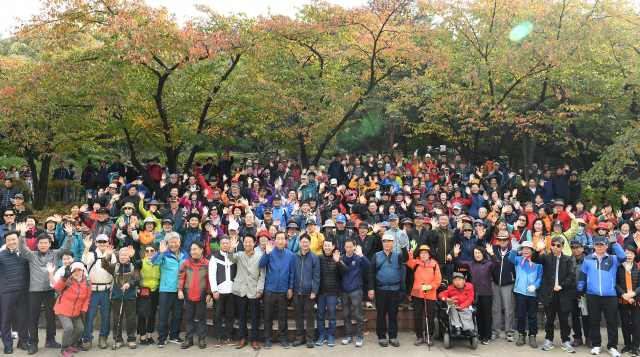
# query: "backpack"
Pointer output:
{"type": "Point", "coordinates": [93, 179]}
{"type": "Point", "coordinates": [69, 282]}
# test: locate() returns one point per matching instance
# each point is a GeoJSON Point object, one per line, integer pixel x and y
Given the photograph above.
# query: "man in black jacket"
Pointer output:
{"type": "Point", "coordinates": [503, 279]}
{"type": "Point", "coordinates": [224, 168]}
{"type": "Point", "coordinates": [14, 293]}
{"type": "Point", "coordinates": [556, 290]}
{"type": "Point", "coordinates": [331, 267]}
{"type": "Point", "coordinates": [117, 166]}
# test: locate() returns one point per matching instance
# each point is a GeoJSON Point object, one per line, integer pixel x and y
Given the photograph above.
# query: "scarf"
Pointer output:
{"type": "Point", "coordinates": [627, 266]}
{"type": "Point", "coordinates": [524, 260]}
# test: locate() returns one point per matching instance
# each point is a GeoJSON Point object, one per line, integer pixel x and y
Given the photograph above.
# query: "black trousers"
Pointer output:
{"type": "Point", "coordinates": [129, 311]}
{"type": "Point", "coordinates": [576, 317]}
{"type": "Point", "coordinates": [273, 300]}
{"type": "Point", "coordinates": [630, 321]}
{"type": "Point", "coordinates": [484, 315]}
{"type": "Point", "coordinates": [225, 305]}
{"type": "Point", "coordinates": [147, 325]}
{"type": "Point", "coordinates": [419, 317]}
{"type": "Point", "coordinates": [609, 306]}
{"type": "Point", "coordinates": [13, 302]}
{"type": "Point", "coordinates": [550, 312]}
{"type": "Point", "coordinates": [387, 302]}
{"type": "Point", "coordinates": [303, 306]}
{"type": "Point", "coordinates": [193, 307]}
{"type": "Point", "coordinates": [36, 300]}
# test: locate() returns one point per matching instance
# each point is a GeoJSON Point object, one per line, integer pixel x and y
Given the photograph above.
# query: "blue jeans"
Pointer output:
{"type": "Point", "coordinates": [527, 307]}
{"type": "Point", "coordinates": [327, 303]}
{"type": "Point", "coordinates": [169, 304]}
{"type": "Point", "coordinates": [103, 299]}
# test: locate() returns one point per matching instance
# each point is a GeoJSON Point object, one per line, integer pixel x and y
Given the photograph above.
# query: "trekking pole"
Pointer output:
{"type": "Point", "coordinates": [118, 326]}
{"type": "Point", "coordinates": [426, 321]}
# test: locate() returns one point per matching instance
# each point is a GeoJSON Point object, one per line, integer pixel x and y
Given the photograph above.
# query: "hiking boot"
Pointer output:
{"type": "Point", "coordinates": [576, 342]}
{"type": "Point", "coordinates": [567, 347]}
{"type": "Point", "coordinates": [102, 343]}
{"type": "Point", "coordinates": [187, 344]}
{"type": "Point", "coordinates": [117, 345]}
{"type": "Point", "coordinates": [33, 349]}
{"type": "Point", "coordinates": [321, 341]}
{"type": "Point", "coordinates": [521, 340]}
{"type": "Point", "coordinates": [202, 344]}
{"type": "Point", "coordinates": [285, 344]}
{"type": "Point", "coordinates": [383, 342]}
{"type": "Point", "coordinates": [310, 344]}
{"type": "Point", "coordinates": [132, 345]}
{"type": "Point", "coordinates": [52, 343]}
{"type": "Point", "coordinates": [394, 342]}
{"type": "Point", "coordinates": [299, 342]}
{"type": "Point", "coordinates": [532, 341]}
{"type": "Point", "coordinates": [548, 345]}
{"type": "Point", "coordinates": [87, 345]}
{"type": "Point", "coordinates": [73, 349]}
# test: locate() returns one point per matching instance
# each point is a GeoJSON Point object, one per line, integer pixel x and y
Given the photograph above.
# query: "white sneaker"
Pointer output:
{"type": "Point", "coordinates": [596, 350]}
{"type": "Point", "coordinates": [614, 353]}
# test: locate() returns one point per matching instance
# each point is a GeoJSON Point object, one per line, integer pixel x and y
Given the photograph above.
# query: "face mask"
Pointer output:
{"type": "Point", "coordinates": [580, 229]}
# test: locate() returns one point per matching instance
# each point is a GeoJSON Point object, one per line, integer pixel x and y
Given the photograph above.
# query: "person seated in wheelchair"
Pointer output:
{"type": "Point", "coordinates": [459, 296]}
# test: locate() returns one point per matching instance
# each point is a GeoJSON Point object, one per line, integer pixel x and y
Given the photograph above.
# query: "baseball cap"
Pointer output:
{"type": "Point", "coordinates": [600, 240]}
{"type": "Point", "coordinates": [102, 238]}
{"type": "Point", "coordinates": [457, 205]}
{"type": "Point", "coordinates": [575, 243]}
{"type": "Point", "coordinates": [458, 275]}
{"type": "Point", "coordinates": [341, 218]}
{"type": "Point", "coordinates": [268, 210]}
{"type": "Point", "coordinates": [387, 237]}
{"type": "Point", "coordinates": [427, 155]}
{"type": "Point", "coordinates": [393, 216]}
{"type": "Point", "coordinates": [103, 210]}
{"type": "Point", "coordinates": [234, 225]}
{"type": "Point", "coordinates": [333, 181]}
{"type": "Point", "coordinates": [77, 265]}
{"type": "Point", "coordinates": [167, 220]}
{"type": "Point", "coordinates": [18, 195]}
{"type": "Point", "coordinates": [385, 224]}
{"type": "Point", "coordinates": [418, 215]}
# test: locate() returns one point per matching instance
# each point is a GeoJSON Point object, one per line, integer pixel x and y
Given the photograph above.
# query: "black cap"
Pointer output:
{"type": "Point", "coordinates": [255, 199]}
{"type": "Point", "coordinates": [268, 210]}
{"type": "Point", "coordinates": [575, 243]}
{"type": "Point", "coordinates": [103, 210]}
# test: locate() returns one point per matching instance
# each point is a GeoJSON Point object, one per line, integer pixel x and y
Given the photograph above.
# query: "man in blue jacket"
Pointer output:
{"type": "Point", "coordinates": [352, 290]}
{"type": "Point", "coordinates": [305, 288]}
{"type": "Point", "coordinates": [385, 273]}
{"type": "Point", "coordinates": [170, 258]}
{"type": "Point", "coordinates": [598, 275]}
{"type": "Point", "coordinates": [279, 264]}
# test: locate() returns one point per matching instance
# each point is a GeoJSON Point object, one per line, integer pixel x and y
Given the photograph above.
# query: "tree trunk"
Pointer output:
{"type": "Point", "coordinates": [192, 156]}
{"type": "Point", "coordinates": [525, 155]}
{"type": "Point", "coordinates": [304, 157]}
{"type": "Point", "coordinates": [40, 180]}
{"type": "Point", "coordinates": [476, 147]}
{"type": "Point", "coordinates": [141, 169]}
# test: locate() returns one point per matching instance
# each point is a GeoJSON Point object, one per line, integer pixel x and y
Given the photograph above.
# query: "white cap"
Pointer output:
{"type": "Point", "coordinates": [387, 237]}
{"type": "Point", "coordinates": [234, 225]}
{"type": "Point", "coordinates": [427, 155]}
{"type": "Point", "coordinates": [333, 181]}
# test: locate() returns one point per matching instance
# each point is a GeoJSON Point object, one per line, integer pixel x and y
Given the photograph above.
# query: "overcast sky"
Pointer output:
{"type": "Point", "coordinates": [24, 9]}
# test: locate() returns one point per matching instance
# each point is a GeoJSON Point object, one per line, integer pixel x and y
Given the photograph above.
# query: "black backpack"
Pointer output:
{"type": "Point", "coordinates": [93, 179]}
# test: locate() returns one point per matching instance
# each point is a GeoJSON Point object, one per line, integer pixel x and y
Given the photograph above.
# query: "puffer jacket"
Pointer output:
{"type": "Point", "coordinates": [330, 272]}
{"type": "Point", "coordinates": [621, 281]}
{"type": "Point", "coordinates": [6, 195]}
{"type": "Point", "coordinates": [307, 273]}
{"type": "Point", "coordinates": [464, 297]}
{"type": "Point", "coordinates": [525, 275]}
{"type": "Point", "coordinates": [427, 275]}
{"type": "Point", "coordinates": [14, 271]}
{"type": "Point", "coordinates": [599, 277]}
{"type": "Point", "coordinates": [74, 296]}
{"type": "Point", "coordinates": [39, 276]}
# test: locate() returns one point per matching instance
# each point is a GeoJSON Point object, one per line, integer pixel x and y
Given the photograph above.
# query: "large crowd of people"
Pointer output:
{"type": "Point", "coordinates": [376, 230]}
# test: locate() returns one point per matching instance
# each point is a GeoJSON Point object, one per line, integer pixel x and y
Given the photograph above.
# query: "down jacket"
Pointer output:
{"type": "Point", "coordinates": [464, 297]}
{"type": "Point", "coordinates": [74, 298]}
{"type": "Point", "coordinates": [330, 272]}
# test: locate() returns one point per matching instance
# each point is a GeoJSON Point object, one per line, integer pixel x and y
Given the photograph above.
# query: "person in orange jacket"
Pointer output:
{"type": "Point", "coordinates": [426, 280]}
{"type": "Point", "coordinates": [460, 294]}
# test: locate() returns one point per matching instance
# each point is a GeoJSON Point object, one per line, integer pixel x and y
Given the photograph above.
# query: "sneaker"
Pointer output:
{"type": "Point", "coordinates": [614, 353]}
{"type": "Point", "coordinates": [532, 341]}
{"type": "Point", "coordinates": [102, 343]}
{"type": "Point", "coordinates": [419, 342]}
{"type": "Point", "coordinates": [521, 340]}
{"type": "Point", "coordinates": [576, 342]}
{"type": "Point", "coordinates": [310, 344]}
{"type": "Point", "coordinates": [267, 344]}
{"type": "Point", "coordinates": [14, 335]}
{"type": "Point", "coordinates": [485, 341]}
{"type": "Point", "coordinates": [625, 349]}
{"type": "Point", "coordinates": [369, 304]}
{"type": "Point", "coordinates": [117, 345]}
{"type": "Point", "coordinates": [321, 341]}
{"type": "Point", "coordinates": [33, 349]}
{"type": "Point", "coordinates": [394, 342]}
{"type": "Point", "coordinates": [359, 342]}
{"type": "Point", "coordinates": [298, 342]}
{"type": "Point", "coordinates": [217, 343]}
{"type": "Point", "coordinates": [284, 344]}
{"type": "Point", "coordinates": [150, 340]}
{"type": "Point", "coordinates": [596, 350]}
{"type": "Point", "coordinates": [548, 345]}
{"type": "Point", "coordinates": [567, 347]}
{"type": "Point", "coordinates": [132, 344]}
{"type": "Point", "coordinates": [634, 352]}
{"type": "Point", "coordinates": [73, 349]}
{"type": "Point", "coordinates": [144, 342]}
{"type": "Point", "coordinates": [347, 340]}
{"type": "Point", "coordinates": [510, 338]}
{"type": "Point", "coordinates": [383, 342]}
{"type": "Point", "coordinates": [52, 343]}
{"type": "Point", "coordinates": [202, 344]}
{"type": "Point", "coordinates": [187, 344]}
{"type": "Point", "coordinates": [162, 343]}
{"type": "Point", "coordinates": [178, 341]}
{"type": "Point", "coordinates": [331, 341]}
{"type": "Point", "coordinates": [493, 337]}
{"type": "Point", "coordinates": [87, 346]}
{"type": "Point", "coordinates": [65, 353]}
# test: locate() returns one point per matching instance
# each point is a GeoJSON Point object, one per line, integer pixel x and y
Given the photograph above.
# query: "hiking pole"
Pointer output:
{"type": "Point", "coordinates": [426, 318]}
{"type": "Point", "coordinates": [118, 326]}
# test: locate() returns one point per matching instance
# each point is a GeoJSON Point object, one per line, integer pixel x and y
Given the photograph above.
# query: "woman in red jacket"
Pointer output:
{"type": "Point", "coordinates": [71, 305]}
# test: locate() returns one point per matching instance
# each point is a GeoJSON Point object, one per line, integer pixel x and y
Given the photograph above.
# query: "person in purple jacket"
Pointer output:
{"type": "Point", "coordinates": [480, 270]}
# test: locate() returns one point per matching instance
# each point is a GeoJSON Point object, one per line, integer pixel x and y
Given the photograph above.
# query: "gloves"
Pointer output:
{"type": "Point", "coordinates": [515, 245]}
{"type": "Point", "coordinates": [531, 288]}
{"type": "Point", "coordinates": [613, 239]}
{"type": "Point", "coordinates": [67, 273]}
{"type": "Point", "coordinates": [428, 287]}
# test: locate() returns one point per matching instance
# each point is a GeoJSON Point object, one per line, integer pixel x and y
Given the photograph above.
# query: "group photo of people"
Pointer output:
{"type": "Point", "coordinates": [475, 251]}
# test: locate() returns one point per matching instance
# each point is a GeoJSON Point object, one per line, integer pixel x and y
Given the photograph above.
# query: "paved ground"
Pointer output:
{"type": "Point", "coordinates": [460, 347]}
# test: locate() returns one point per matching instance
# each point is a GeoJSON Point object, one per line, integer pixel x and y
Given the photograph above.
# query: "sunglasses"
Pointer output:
{"type": "Point", "coordinates": [9, 215]}
{"type": "Point", "coordinates": [557, 245]}
{"type": "Point", "coordinates": [522, 220]}
{"type": "Point", "coordinates": [478, 225]}
{"type": "Point", "coordinates": [101, 242]}
{"type": "Point", "coordinates": [128, 209]}
{"type": "Point", "coordinates": [149, 250]}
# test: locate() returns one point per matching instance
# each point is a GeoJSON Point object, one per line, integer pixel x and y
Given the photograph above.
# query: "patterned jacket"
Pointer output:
{"type": "Point", "coordinates": [193, 279]}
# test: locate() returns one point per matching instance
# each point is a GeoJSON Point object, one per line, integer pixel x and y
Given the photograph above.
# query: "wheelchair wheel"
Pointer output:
{"type": "Point", "coordinates": [474, 343]}
{"type": "Point", "coordinates": [447, 340]}
{"type": "Point", "coordinates": [436, 328]}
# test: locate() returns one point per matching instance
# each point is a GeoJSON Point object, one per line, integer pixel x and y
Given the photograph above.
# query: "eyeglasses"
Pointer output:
{"type": "Point", "coordinates": [478, 225]}
{"type": "Point", "coordinates": [522, 220]}
{"type": "Point", "coordinates": [9, 214]}
{"type": "Point", "coordinates": [149, 250]}
{"type": "Point", "coordinates": [557, 245]}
